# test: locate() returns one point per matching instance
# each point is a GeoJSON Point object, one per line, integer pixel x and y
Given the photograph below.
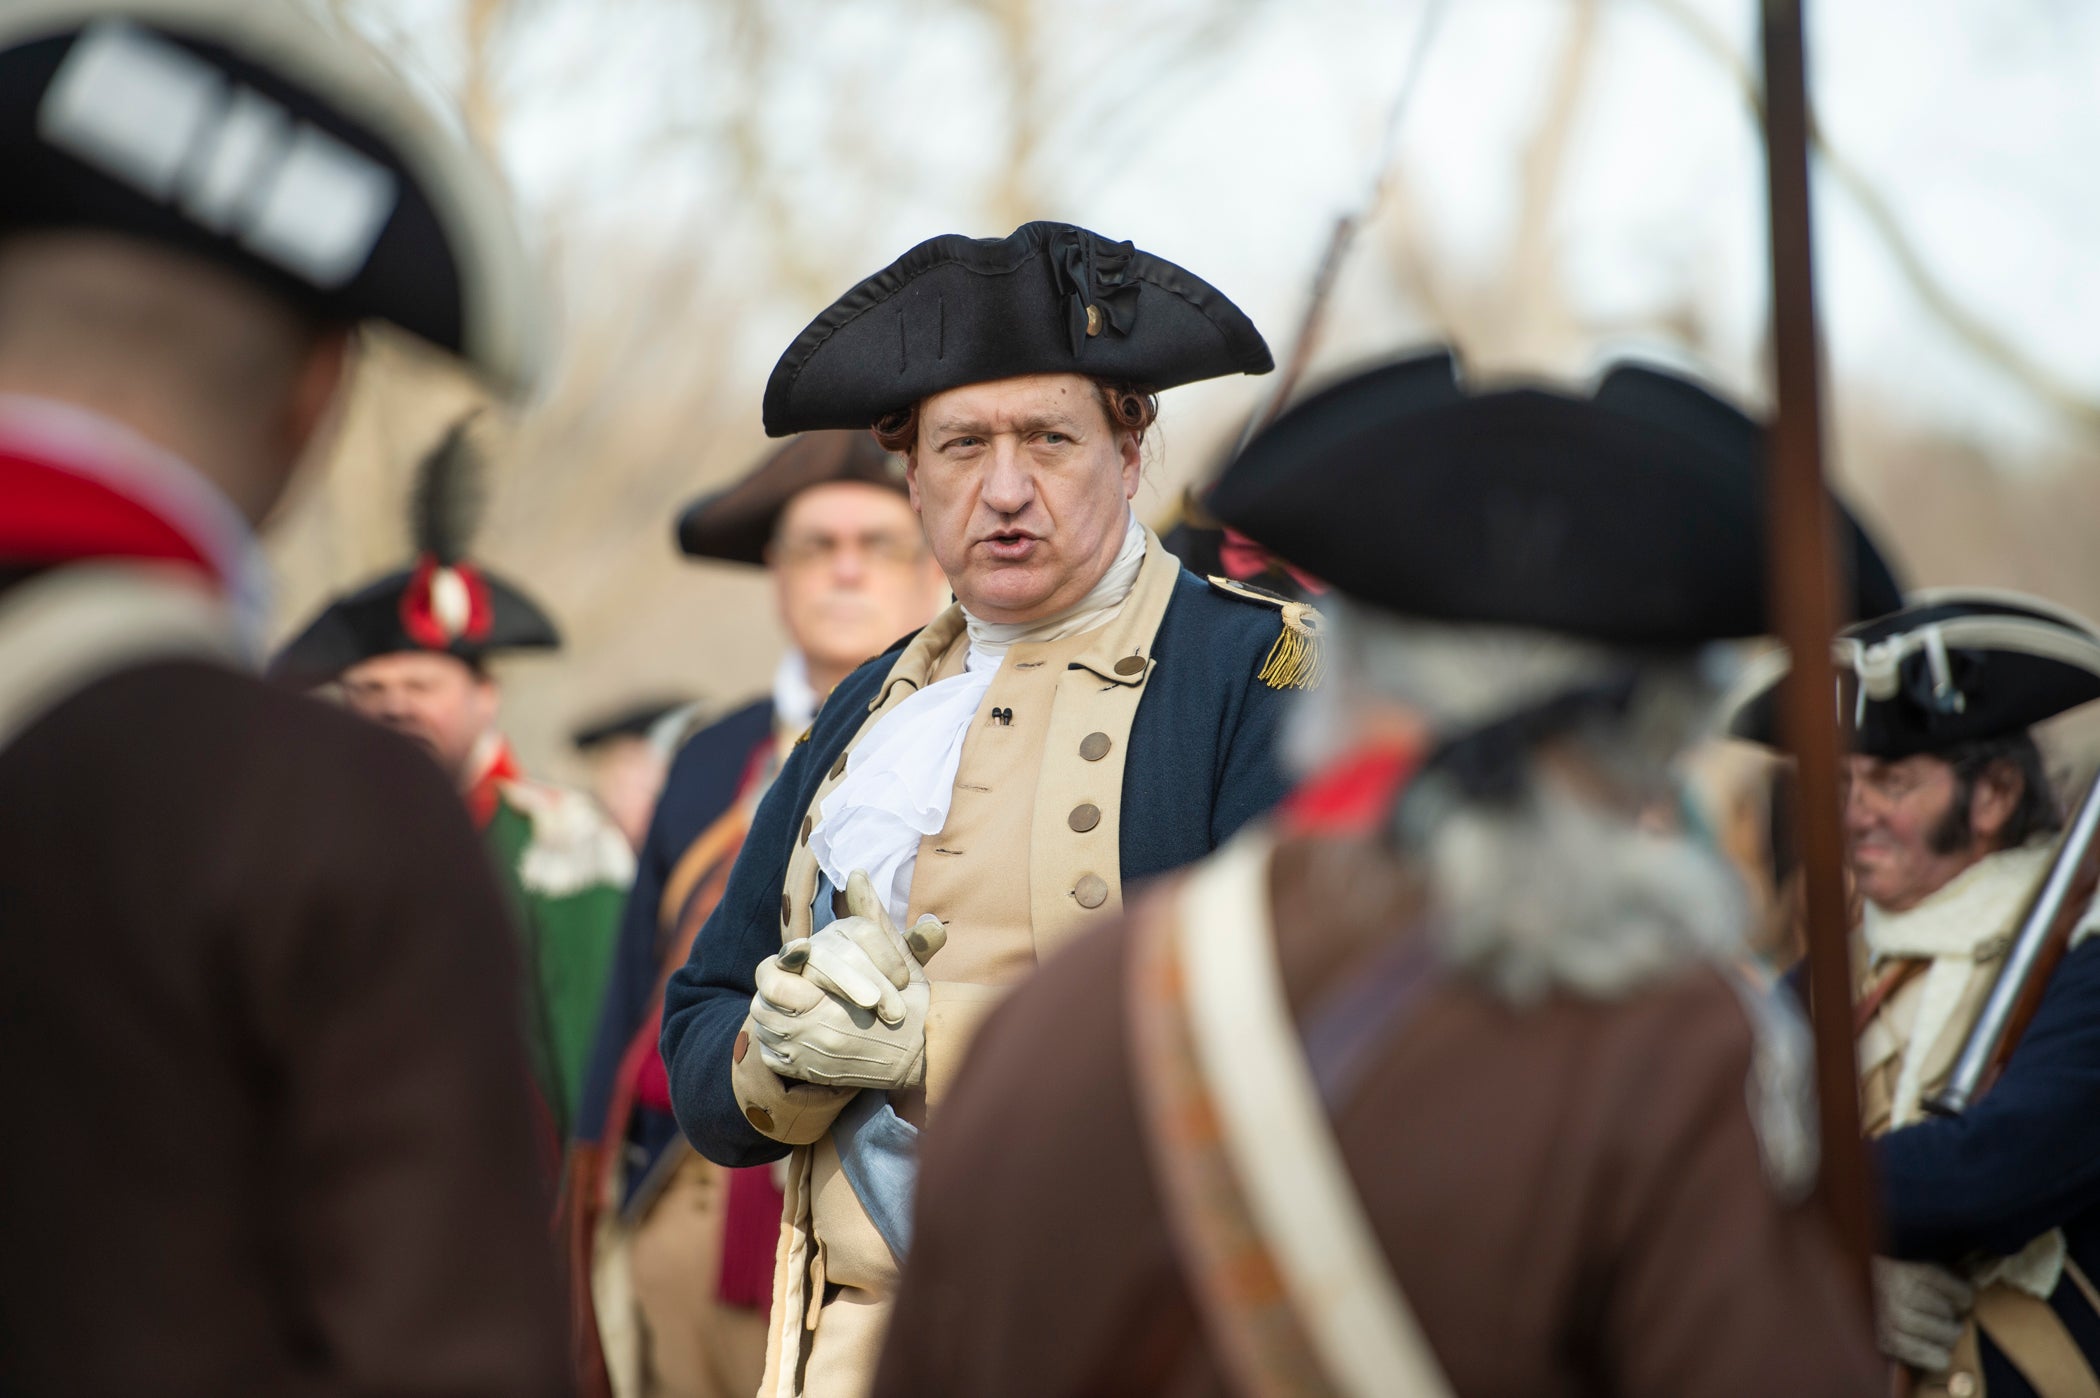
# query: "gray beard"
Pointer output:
{"type": "Point", "coordinates": [1555, 895]}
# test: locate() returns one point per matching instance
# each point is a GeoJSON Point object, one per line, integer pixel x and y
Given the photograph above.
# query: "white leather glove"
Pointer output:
{"type": "Point", "coordinates": [847, 1007]}
{"type": "Point", "coordinates": [1920, 1309]}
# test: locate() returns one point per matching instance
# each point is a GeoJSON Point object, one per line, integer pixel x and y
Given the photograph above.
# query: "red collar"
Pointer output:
{"type": "Point", "coordinates": [57, 516]}
{"type": "Point", "coordinates": [500, 766]}
{"type": "Point", "coordinates": [1352, 794]}
{"type": "Point", "coordinates": [79, 487]}
{"type": "Point", "coordinates": [1243, 560]}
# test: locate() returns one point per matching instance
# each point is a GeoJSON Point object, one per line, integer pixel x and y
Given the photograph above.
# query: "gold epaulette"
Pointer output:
{"type": "Point", "coordinates": [1294, 661]}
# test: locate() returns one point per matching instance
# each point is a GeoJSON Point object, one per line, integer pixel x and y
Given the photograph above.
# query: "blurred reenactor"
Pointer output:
{"type": "Point", "coordinates": [677, 1252]}
{"type": "Point", "coordinates": [1205, 544]}
{"type": "Point", "coordinates": [1992, 1219]}
{"type": "Point", "coordinates": [1445, 1084]}
{"type": "Point", "coordinates": [629, 754]}
{"type": "Point", "coordinates": [1086, 715]}
{"type": "Point", "coordinates": [271, 1130]}
{"type": "Point", "coordinates": [411, 651]}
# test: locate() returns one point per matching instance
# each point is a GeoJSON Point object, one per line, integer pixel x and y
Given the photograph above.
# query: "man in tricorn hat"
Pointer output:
{"type": "Point", "coordinates": [411, 651]}
{"type": "Point", "coordinates": [270, 1125]}
{"type": "Point", "coordinates": [676, 1251]}
{"type": "Point", "coordinates": [1993, 1218]}
{"type": "Point", "coordinates": [1086, 716]}
{"type": "Point", "coordinates": [1444, 1083]}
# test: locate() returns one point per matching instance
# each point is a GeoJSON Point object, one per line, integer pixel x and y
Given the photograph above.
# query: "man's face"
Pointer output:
{"type": "Point", "coordinates": [852, 573]}
{"type": "Point", "coordinates": [1024, 486]}
{"type": "Point", "coordinates": [1898, 819]}
{"type": "Point", "coordinates": [435, 699]}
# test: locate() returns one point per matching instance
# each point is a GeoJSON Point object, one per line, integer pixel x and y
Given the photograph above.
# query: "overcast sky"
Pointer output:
{"type": "Point", "coordinates": [1979, 123]}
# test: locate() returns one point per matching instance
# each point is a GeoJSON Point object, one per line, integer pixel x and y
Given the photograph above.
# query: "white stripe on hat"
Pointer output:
{"type": "Point", "coordinates": [164, 121]}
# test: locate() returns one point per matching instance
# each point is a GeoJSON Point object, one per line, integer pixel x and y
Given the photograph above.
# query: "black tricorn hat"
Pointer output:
{"type": "Point", "coordinates": [257, 137]}
{"type": "Point", "coordinates": [443, 602]}
{"type": "Point", "coordinates": [1634, 516]}
{"type": "Point", "coordinates": [630, 720]}
{"type": "Point", "coordinates": [1049, 298]}
{"type": "Point", "coordinates": [1955, 666]}
{"type": "Point", "coordinates": [391, 615]}
{"type": "Point", "coordinates": [735, 524]}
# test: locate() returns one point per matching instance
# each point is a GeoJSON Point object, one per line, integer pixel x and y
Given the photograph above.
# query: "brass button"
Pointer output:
{"type": "Point", "coordinates": [1961, 1385]}
{"type": "Point", "coordinates": [1094, 746]}
{"type": "Point", "coordinates": [1130, 665]}
{"type": "Point", "coordinates": [1091, 891]}
{"type": "Point", "coordinates": [787, 910]}
{"type": "Point", "coordinates": [1093, 320]}
{"type": "Point", "coordinates": [808, 824]}
{"type": "Point", "coordinates": [759, 1117]}
{"type": "Point", "coordinates": [1084, 817]}
{"type": "Point", "coordinates": [838, 768]}
{"type": "Point", "coordinates": [743, 1046]}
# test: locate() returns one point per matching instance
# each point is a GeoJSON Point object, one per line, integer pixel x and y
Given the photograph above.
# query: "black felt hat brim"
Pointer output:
{"type": "Point", "coordinates": [2014, 666]}
{"type": "Point", "coordinates": [736, 524]}
{"type": "Point", "coordinates": [1634, 518]}
{"type": "Point", "coordinates": [367, 623]}
{"type": "Point", "coordinates": [956, 311]}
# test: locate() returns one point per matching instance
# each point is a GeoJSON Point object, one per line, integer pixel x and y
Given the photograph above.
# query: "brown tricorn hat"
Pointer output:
{"type": "Point", "coordinates": [736, 524]}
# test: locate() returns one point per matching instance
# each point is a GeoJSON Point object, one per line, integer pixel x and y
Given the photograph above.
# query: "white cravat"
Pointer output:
{"type": "Point", "coordinates": [901, 778]}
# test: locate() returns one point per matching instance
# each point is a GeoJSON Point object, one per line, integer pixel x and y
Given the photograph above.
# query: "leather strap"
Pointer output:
{"type": "Point", "coordinates": [721, 836]}
{"type": "Point", "coordinates": [2083, 1282]}
{"type": "Point", "coordinates": [1272, 1235]}
{"type": "Point", "coordinates": [1891, 981]}
{"type": "Point", "coordinates": [2036, 1342]}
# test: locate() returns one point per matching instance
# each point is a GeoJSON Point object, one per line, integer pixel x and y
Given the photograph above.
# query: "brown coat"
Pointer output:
{"type": "Point", "coordinates": [267, 1108]}
{"type": "Point", "coordinates": [1572, 1196]}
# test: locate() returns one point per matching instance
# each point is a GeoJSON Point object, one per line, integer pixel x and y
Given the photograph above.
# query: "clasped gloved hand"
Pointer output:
{"type": "Point", "coordinates": [847, 1007]}
{"type": "Point", "coordinates": [1920, 1310]}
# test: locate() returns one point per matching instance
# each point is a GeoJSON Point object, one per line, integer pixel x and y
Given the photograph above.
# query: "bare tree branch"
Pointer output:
{"type": "Point", "coordinates": [1982, 338]}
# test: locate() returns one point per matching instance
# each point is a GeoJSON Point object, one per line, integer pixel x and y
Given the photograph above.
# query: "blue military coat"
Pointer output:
{"type": "Point", "coordinates": [1201, 764]}
{"type": "Point", "coordinates": [2023, 1160]}
{"type": "Point", "coordinates": [706, 777]}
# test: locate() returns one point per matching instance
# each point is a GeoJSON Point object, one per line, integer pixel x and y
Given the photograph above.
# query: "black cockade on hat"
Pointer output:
{"type": "Point", "coordinates": [1633, 516]}
{"type": "Point", "coordinates": [1049, 298]}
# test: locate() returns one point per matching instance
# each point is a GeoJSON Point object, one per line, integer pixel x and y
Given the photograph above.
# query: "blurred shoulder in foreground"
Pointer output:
{"type": "Point", "coordinates": [276, 1133]}
{"type": "Point", "coordinates": [1442, 1081]}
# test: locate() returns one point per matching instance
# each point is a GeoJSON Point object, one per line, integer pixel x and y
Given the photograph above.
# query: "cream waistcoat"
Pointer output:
{"type": "Point", "coordinates": [1908, 1048]}
{"type": "Point", "coordinates": [1028, 858]}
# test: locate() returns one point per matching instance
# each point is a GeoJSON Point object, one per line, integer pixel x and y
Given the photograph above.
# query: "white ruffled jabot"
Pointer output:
{"type": "Point", "coordinates": [901, 778]}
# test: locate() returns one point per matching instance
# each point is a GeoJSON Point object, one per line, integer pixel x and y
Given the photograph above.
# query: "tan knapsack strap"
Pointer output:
{"type": "Point", "coordinates": [2036, 1342]}
{"type": "Point", "coordinates": [1284, 1265]}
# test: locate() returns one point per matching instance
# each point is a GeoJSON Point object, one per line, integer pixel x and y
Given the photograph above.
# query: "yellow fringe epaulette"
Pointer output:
{"type": "Point", "coordinates": [1294, 661]}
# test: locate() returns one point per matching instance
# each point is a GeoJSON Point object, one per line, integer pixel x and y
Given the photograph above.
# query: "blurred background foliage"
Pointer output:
{"type": "Point", "coordinates": [1575, 179]}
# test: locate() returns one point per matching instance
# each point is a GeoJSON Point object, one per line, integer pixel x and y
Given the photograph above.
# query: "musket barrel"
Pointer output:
{"type": "Point", "coordinates": [2022, 962]}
